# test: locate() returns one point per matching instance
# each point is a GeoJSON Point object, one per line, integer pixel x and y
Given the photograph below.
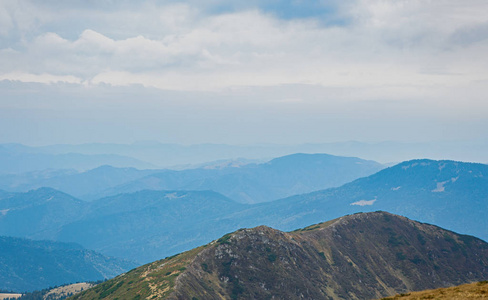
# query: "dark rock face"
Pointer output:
{"type": "Point", "coordinates": [361, 256]}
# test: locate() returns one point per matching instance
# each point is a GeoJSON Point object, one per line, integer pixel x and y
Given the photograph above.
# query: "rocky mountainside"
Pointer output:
{"type": "Point", "coordinates": [27, 265]}
{"type": "Point", "coordinates": [361, 256]}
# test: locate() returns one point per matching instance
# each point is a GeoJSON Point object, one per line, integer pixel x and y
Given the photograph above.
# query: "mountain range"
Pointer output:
{"type": "Point", "coordinates": [246, 183]}
{"type": "Point", "coordinates": [361, 256]}
{"type": "Point", "coordinates": [254, 183]}
{"type": "Point", "coordinates": [147, 225]}
{"type": "Point", "coordinates": [171, 155]}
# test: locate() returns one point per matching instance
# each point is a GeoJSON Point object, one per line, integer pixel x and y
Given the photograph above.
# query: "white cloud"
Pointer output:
{"type": "Point", "coordinates": [368, 70]}
{"type": "Point", "coordinates": [407, 49]}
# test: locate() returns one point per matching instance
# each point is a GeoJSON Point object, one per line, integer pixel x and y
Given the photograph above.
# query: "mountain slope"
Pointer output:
{"type": "Point", "coordinates": [363, 256]}
{"type": "Point", "coordinates": [27, 265]}
{"type": "Point", "coordinates": [254, 183]}
{"type": "Point", "coordinates": [450, 194]}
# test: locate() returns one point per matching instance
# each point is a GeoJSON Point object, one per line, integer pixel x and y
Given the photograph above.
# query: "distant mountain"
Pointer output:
{"type": "Point", "coordinates": [38, 213]}
{"type": "Point", "coordinates": [254, 183]}
{"type": "Point", "coordinates": [141, 226]}
{"type": "Point", "coordinates": [84, 185]}
{"type": "Point", "coordinates": [27, 265]}
{"type": "Point", "coordinates": [16, 159]}
{"type": "Point", "coordinates": [147, 225]}
{"type": "Point", "coordinates": [450, 194]}
{"type": "Point", "coordinates": [168, 155]}
{"type": "Point", "coordinates": [362, 256]}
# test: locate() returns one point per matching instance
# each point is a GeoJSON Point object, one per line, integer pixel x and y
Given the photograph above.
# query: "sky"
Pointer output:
{"type": "Point", "coordinates": [243, 72]}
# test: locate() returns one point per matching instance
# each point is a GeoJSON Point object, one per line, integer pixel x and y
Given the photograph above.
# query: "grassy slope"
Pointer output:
{"type": "Point", "coordinates": [154, 280]}
{"type": "Point", "coordinates": [477, 290]}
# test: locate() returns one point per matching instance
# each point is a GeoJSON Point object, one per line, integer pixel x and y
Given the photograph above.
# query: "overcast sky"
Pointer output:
{"type": "Point", "coordinates": [240, 72]}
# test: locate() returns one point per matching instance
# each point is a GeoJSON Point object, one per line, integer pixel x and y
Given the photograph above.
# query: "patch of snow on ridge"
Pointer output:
{"type": "Point", "coordinates": [454, 179]}
{"type": "Point", "coordinates": [364, 202]}
{"type": "Point", "coordinates": [440, 187]}
{"type": "Point", "coordinates": [174, 196]}
{"type": "Point", "coordinates": [396, 188]}
{"type": "Point", "coordinates": [4, 212]}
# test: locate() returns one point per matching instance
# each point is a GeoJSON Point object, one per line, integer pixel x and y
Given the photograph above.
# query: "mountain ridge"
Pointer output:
{"type": "Point", "coordinates": [361, 256]}
{"type": "Point", "coordinates": [254, 183]}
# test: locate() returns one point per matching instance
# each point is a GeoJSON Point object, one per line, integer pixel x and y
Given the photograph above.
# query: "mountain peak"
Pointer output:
{"type": "Point", "coordinates": [366, 255]}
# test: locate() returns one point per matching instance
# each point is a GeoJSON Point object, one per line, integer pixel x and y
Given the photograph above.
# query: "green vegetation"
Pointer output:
{"type": "Point", "coordinates": [225, 239]}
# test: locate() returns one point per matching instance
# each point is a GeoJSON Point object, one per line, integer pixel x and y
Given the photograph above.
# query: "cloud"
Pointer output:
{"type": "Point", "coordinates": [387, 49]}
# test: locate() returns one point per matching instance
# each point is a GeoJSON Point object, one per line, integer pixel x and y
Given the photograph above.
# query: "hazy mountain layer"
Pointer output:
{"type": "Point", "coordinates": [254, 183]}
{"type": "Point", "coordinates": [166, 155]}
{"type": "Point", "coordinates": [247, 183]}
{"type": "Point", "coordinates": [16, 158]}
{"type": "Point", "coordinates": [362, 256]}
{"type": "Point", "coordinates": [27, 265]}
{"type": "Point", "coordinates": [148, 225]}
{"type": "Point", "coordinates": [84, 185]}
